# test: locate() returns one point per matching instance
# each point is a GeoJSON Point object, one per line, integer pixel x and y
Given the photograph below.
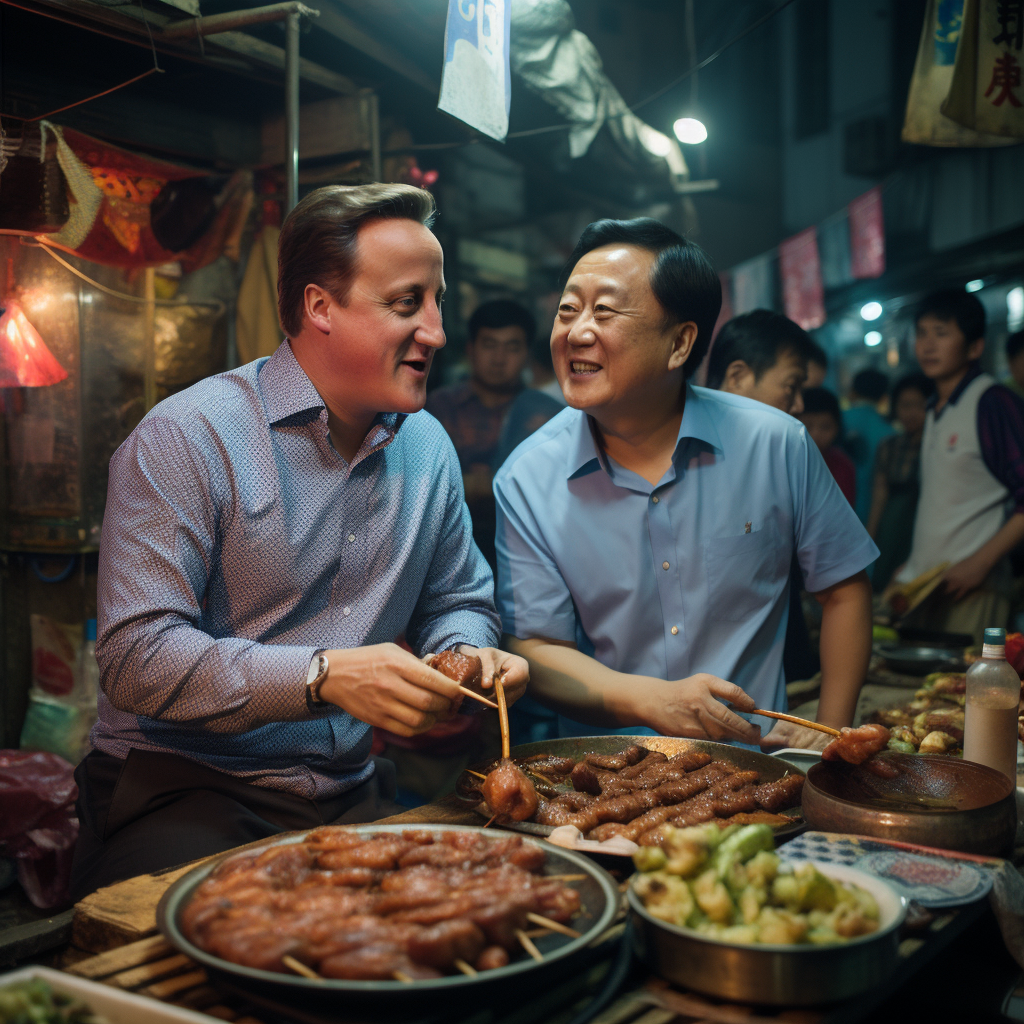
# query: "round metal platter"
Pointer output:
{"type": "Point", "coordinates": [599, 904]}
{"type": "Point", "coordinates": [919, 661]}
{"type": "Point", "coordinates": [770, 768]}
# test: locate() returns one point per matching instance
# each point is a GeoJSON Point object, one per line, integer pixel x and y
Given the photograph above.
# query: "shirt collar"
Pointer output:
{"type": "Point", "coordinates": [287, 391]}
{"type": "Point", "coordinates": [697, 423]}
{"type": "Point", "coordinates": [973, 372]}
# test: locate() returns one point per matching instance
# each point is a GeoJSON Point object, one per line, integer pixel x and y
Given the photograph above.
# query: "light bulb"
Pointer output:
{"type": "Point", "coordinates": [690, 130]}
{"type": "Point", "coordinates": [873, 338]}
{"type": "Point", "coordinates": [871, 310]}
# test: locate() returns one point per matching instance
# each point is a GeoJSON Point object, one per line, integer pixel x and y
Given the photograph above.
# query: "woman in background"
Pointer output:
{"type": "Point", "coordinates": [896, 478]}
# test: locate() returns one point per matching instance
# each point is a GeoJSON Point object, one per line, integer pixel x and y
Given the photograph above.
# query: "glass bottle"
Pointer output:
{"type": "Point", "coordinates": [993, 695]}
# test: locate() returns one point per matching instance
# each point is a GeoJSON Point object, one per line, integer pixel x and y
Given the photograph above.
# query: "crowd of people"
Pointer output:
{"type": "Point", "coordinates": [287, 545]}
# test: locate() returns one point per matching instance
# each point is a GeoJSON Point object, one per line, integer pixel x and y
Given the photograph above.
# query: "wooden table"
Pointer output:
{"type": "Point", "coordinates": [119, 924]}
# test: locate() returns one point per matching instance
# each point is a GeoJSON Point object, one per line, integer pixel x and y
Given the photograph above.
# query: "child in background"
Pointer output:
{"type": "Point", "coordinates": [823, 420]}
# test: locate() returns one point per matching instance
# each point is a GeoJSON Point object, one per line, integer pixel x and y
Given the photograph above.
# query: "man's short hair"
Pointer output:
{"type": "Point", "coordinates": [759, 338]}
{"type": "Point", "coordinates": [683, 280]}
{"type": "Point", "coordinates": [503, 313]}
{"type": "Point", "coordinates": [955, 304]}
{"type": "Point", "coordinates": [816, 354]}
{"type": "Point", "coordinates": [823, 400]}
{"type": "Point", "coordinates": [1015, 345]}
{"type": "Point", "coordinates": [318, 239]}
{"type": "Point", "coordinates": [871, 384]}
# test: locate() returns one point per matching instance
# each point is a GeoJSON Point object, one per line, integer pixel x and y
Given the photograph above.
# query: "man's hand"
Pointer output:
{"type": "Point", "coordinates": [967, 575]}
{"type": "Point", "coordinates": [390, 688]}
{"type": "Point", "coordinates": [693, 708]}
{"type": "Point", "coordinates": [514, 671]}
{"type": "Point", "coordinates": [786, 734]}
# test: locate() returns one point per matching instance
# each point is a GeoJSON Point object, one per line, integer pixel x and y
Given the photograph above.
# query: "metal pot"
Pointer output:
{"type": "Point", "coordinates": [385, 1000]}
{"type": "Point", "coordinates": [769, 974]}
{"type": "Point", "coordinates": [933, 800]}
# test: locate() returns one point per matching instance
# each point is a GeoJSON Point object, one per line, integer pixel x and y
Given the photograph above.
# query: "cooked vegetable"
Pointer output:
{"type": "Point", "coordinates": [730, 884]}
{"type": "Point", "coordinates": [34, 1002]}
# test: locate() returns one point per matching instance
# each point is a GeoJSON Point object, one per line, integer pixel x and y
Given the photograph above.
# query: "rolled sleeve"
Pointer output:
{"type": "Point", "coordinates": [156, 554]}
{"type": "Point", "coordinates": [831, 542]}
{"type": "Point", "coordinates": [533, 598]}
{"type": "Point", "coordinates": [456, 603]}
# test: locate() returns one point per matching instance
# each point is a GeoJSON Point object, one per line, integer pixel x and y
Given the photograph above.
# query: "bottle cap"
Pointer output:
{"type": "Point", "coordinates": [995, 637]}
{"type": "Point", "coordinates": [90, 629]}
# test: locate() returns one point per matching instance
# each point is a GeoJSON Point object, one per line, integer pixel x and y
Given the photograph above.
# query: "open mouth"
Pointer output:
{"type": "Point", "coordinates": [419, 365]}
{"type": "Point", "coordinates": [583, 369]}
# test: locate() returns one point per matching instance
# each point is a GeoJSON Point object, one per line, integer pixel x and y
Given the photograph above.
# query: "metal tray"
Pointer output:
{"type": "Point", "coordinates": [599, 904]}
{"type": "Point", "coordinates": [770, 768]}
{"type": "Point", "coordinates": [913, 660]}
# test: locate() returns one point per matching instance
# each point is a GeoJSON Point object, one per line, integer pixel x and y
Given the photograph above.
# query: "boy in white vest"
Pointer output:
{"type": "Point", "coordinates": [971, 511]}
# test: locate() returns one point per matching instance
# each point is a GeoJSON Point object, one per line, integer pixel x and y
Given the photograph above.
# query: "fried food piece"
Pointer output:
{"type": "Point", "coordinates": [635, 770]}
{"type": "Point", "coordinates": [937, 742]}
{"type": "Point", "coordinates": [509, 793]}
{"type": "Point", "coordinates": [740, 801]}
{"type": "Point", "coordinates": [549, 764]}
{"type": "Point", "coordinates": [444, 943]}
{"type": "Point", "coordinates": [491, 959]}
{"type": "Point", "coordinates": [465, 669]}
{"type": "Point", "coordinates": [585, 779]}
{"type": "Point", "coordinates": [616, 762]}
{"type": "Point", "coordinates": [855, 746]}
{"type": "Point", "coordinates": [778, 795]}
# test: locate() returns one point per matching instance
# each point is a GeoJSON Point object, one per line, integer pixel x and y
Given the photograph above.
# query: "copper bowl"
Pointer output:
{"type": "Point", "coordinates": [930, 799]}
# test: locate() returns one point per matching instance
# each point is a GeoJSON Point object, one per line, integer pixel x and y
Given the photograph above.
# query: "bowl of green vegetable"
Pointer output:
{"type": "Point", "coordinates": [718, 911]}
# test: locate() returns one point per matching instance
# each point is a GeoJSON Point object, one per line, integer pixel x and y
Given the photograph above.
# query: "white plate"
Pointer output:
{"type": "Point", "coordinates": [116, 1006]}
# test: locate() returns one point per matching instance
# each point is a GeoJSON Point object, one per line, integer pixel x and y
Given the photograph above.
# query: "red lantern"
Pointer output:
{"type": "Point", "coordinates": [25, 361]}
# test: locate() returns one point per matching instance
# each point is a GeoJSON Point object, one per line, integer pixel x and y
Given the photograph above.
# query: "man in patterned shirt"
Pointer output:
{"type": "Point", "coordinates": [269, 533]}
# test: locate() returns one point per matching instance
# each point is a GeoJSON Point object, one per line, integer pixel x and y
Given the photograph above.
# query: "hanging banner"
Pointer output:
{"type": "Point", "coordinates": [867, 235]}
{"type": "Point", "coordinates": [753, 284]}
{"type": "Point", "coordinates": [987, 93]}
{"type": "Point", "coordinates": [925, 123]}
{"type": "Point", "coordinates": [476, 85]}
{"type": "Point", "coordinates": [803, 296]}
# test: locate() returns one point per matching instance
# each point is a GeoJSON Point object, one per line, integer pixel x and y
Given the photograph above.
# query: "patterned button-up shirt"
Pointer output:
{"type": "Point", "coordinates": [237, 542]}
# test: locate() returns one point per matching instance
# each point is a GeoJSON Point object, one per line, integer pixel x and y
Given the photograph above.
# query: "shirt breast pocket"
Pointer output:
{"type": "Point", "coordinates": [744, 573]}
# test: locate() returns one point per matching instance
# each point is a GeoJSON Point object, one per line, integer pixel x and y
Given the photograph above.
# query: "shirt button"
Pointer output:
{"type": "Point", "coordinates": [655, 499]}
{"type": "Point", "coordinates": [346, 610]}
{"type": "Point", "coordinates": [675, 630]}
{"type": "Point", "coordinates": [351, 537]}
{"type": "Point", "coordinates": [664, 565]}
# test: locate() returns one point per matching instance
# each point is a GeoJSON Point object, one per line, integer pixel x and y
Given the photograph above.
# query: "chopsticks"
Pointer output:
{"type": "Point", "coordinates": [797, 721]}
{"type": "Point", "coordinates": [499, 692]}
{"type": "Point", "coordinates": [477, 696]}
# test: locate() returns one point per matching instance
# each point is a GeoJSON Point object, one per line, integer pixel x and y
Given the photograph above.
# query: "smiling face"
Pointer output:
{"type": "Point", "coordinates": [612, 347]}
{"type": "Point", "coordinates": [372, 354]}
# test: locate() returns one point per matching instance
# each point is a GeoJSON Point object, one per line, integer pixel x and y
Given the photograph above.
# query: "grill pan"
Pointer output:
{"type": "Point", "coordinates": [395, 1000]}
{"type": "Point", "coordinates": [770, 768]}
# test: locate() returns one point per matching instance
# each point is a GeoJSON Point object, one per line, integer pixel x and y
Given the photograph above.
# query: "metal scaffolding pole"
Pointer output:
{"type": "Point", "coordinates": [291, 99]}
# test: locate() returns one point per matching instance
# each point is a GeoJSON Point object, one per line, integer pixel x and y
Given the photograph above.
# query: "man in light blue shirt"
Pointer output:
{"type": "Point", "coordinates": [645, 533]}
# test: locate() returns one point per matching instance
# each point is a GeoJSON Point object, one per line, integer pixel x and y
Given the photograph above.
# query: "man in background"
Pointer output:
{"type": "Point", "coordinates": [817, 366]}
{"type": "Point", "coordinates": [863, 429]}
{"type": "Point", "coordinates": [1015, 357]}
{"type": "Point", "coordinates": [972, 466]}
{"type": "Point", "coordinates": [474, 411]}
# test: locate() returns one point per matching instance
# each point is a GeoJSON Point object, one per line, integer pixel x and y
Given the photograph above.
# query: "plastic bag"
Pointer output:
{"type": "Point", "coordinates": [38, 827]}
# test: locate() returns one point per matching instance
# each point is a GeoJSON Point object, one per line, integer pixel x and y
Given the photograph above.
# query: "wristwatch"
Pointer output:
{"type": "Point", "coordinates": [318, 669]}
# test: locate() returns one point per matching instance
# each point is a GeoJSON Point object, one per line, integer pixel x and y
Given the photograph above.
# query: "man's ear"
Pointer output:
{"type": "Point", "coordinates": [975, 349]}
{"type": "Point", "coordinates": [683, 340]}
{"type": "Point", "coordinates": [739, 378]}
{"type": "Point", "coordinates": [316, 302]}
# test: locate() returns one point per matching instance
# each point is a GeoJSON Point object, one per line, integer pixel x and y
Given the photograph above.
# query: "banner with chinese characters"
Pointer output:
{"type": "Point", "coordinates": [925, 124]}
{"type": "Point", "coordinates": [987, 93]}
{"type": "Point", "coordinates": [867, 235]}
{"type": "Point", "coordinates": [803, 296]}
{"type": "Point", "coordinates": [753, 284]}
{"type": "Point", "coordinates": [476, 81]}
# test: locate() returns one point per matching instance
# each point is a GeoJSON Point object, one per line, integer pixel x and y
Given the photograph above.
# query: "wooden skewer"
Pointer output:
{"type": "Point", "coordinates": [466, 969]}
{"type": "Point", "coordinates": [469, 771]}
{"type": "Point", "coordinates": [527, 943]}
{"type": "Point", "coordinates": [499, 692]}
{"type": "Point", "coordinates": [300, 968]}
{"type": "Point", "coordinates": [489, 820]}
{"type": "Point", "coordinates": [565, 878]}
{"type": "Point", "coordinates": [476, 696]}
{"type": "Point", "coordinates": [554, 926]}
{"type": "Point", "coordinates": [797, 721]}
{"type": "Point", "coordinates": [538, 775]}
{"type": "Point", "coordinates": [401, 976]}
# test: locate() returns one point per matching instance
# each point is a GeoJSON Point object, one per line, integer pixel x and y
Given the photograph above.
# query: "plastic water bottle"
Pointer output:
{"type": "Point", "coordinates": [993, 695]}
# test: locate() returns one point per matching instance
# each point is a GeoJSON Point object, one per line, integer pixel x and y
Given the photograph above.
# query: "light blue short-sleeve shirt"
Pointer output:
{"type": "Point", "coordinates": [690, 575]}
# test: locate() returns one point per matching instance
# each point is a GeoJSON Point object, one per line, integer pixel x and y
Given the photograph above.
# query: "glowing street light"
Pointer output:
{"type": "Point", "coordinates": [976, 285]}
{"type": "Point", "coordinates": [873, 338]}
{"type": "Point", "coordinates": [871, 310]}
{"type": "Point", "coordinates": [690, 131]}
